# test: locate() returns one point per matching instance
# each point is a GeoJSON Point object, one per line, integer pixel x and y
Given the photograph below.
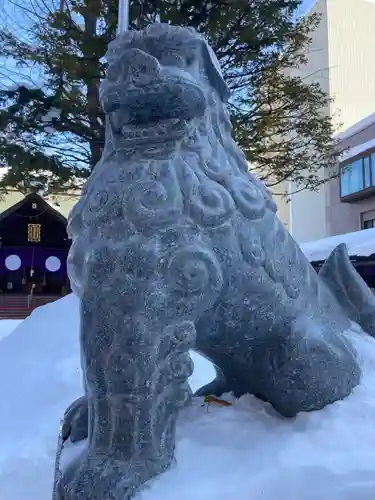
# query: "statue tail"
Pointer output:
{"type": "Point", "coordinates": [349, 289]}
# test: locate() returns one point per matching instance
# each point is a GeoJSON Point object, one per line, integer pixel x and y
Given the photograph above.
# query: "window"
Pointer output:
{"type": "Point", "coordinates": [373, 168]}
{"type": "Point", "coordinates": [358, 175]}
{"type": "Point", "coordinates": [368, 219]}
{"type": "Point", "coordinates": [352, 179]}
{"type": "Point", "coordinates": [368, 224]}
{"type": "Point", "coordinates": [367, 171]}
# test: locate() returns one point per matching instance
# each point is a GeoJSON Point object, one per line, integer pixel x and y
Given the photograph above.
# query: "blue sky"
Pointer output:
{"type": "Point", "coordinates": [306, 4]}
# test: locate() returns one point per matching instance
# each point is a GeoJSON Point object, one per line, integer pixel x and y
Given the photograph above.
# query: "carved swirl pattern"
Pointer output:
{"type": "Point", "coordinates": [296, 273]}
{"type": "Point", "coordinates": [101, 206]}
{"type": "Point", "coordinates": [210, 204]}
{"type": "Point", "coordinates": [276, 262]}
{"type": "Point", "coordinates": [181, 366]}
{"type": "Point", "coordinates": [292, 290]}
{"type": "Point", "coordinates": [276, 266]}
{"type": "Point", "coordinates": [213, 170]}
{"type": "Point", "coordinates": [98, 201]}
{"type": "Point", "coordinates": [194, 271]}
{"type": "Point", "coordinates": [173, 367]}
{"type": "Point", "coordinates": [249, 200]}
{"type": "Point", "coordinates": [155, 202]}
{"type": "Point", "coordinates": [173, 372]}
{"type": "Point", "coordinates": [178, 337]}
{"type": "Point", "coordinates": [283, 265]}
{"type": "Point", "coordinates": [251, 248]}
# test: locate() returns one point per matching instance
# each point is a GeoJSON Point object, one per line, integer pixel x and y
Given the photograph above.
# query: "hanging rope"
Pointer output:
{"type": "Point", "coordinates": [64, 434]}
{"type": "Point", "coordinates": [31, 293]}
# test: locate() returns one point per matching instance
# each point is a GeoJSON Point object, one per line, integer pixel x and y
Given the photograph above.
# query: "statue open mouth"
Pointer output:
{"type": "Point", "coordinates": [163, 108]}
{"type": "Point", "coordinates": [172, 129]}
{"type": "Point", "coordinates": [149, 101]}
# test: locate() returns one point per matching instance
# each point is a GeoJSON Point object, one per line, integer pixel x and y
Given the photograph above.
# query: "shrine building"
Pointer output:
{"type": "Point", "coordinates": [33, 251]}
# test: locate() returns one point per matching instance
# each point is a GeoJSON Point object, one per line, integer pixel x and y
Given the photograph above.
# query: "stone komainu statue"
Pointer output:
{"type": "Point", "coordinates": [177, 246]}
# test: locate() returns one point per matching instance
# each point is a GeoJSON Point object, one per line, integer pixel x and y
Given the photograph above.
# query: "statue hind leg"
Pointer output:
{"type": "Point", "coordinates": [295, 371]}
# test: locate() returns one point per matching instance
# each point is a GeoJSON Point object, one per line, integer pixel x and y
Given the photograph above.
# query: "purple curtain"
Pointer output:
{"type": "Point", "coordinates": [366, 270]}
{"type": "Point", "coordinates": [34, 257]}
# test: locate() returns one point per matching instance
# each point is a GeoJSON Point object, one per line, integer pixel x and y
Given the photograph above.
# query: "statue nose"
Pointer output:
{"type": "Point", "coordinates": [140, 67]}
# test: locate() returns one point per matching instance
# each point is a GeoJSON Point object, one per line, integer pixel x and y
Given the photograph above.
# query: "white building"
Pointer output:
{"type": "Point", "coordinates": [341, 59]}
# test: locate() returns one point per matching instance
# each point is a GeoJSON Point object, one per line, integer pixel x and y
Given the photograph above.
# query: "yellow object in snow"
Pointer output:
{"type": "Point", "coordinates": [211, 400]}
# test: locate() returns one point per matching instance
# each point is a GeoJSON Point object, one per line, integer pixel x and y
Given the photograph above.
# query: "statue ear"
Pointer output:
{"type": "Point", "coordinates": [213, 72]}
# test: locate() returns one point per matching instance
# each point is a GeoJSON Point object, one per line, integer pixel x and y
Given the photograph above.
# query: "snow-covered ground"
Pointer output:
{"type": "Point", "coordinates": [7, 326]}
{"type": "Point", "coordinates": [244, 452]}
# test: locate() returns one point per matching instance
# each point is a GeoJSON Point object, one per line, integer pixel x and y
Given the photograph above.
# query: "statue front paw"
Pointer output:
{"type": "Point", "coordinates": [102, 478]}
{"type": "Point", "coordinates": [76, 421]}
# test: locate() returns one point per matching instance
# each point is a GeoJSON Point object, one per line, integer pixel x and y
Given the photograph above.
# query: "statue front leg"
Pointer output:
{"type": "Point", "coordinates": [132, 435]}
{"type": "Point", "coordinates": [136, 363]}
{"type": "Point", "coordinates": [137, 325]}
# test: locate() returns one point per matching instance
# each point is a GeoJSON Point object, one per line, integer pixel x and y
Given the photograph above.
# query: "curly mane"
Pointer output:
{"type": "Point", "coordinates": [213, 143]}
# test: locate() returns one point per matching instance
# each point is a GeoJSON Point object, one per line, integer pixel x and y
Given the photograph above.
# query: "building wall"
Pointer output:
{"type": "Point", "coordinates": [346, 217]}
{"type": "Point", "coordinates": [307, 208]}
{"type": "Point", "coordinates": [341, 59]}
{"type": "Point", "coordinates": [280, 194]}
{"type": "Point", "coordinates": [352, 85]}
{"type": "Point", "coordinates": [283, 211]}
{"type": "Point", "coordinates": [351, 59]}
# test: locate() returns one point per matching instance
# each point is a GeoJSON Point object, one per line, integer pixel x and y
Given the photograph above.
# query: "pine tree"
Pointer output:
{"type": "Point", "coordinates": [52, 134]}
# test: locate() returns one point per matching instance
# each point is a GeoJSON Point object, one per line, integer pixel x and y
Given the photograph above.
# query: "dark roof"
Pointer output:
{"type": "Point", "coordinates": [41, 202]}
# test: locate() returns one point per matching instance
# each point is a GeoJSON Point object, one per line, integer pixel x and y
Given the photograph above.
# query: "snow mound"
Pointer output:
{"type": "Point", "coordinates": [244, 452]}
{"type": "Point", "coordinates": [7, 326]}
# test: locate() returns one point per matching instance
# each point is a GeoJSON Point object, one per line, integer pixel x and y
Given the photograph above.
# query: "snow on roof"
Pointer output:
{"type": "Point", "coordinates": [358, 127]}
{"type": "Point", "coordinates": [355, 129]}
{"type": "Point", "coordinates": [356, 150]}
{"type": "Point", "coordinates": [359, 244]}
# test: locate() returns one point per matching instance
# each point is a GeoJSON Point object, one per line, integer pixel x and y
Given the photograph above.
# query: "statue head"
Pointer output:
{"type": "Point", "coordinates": [157, 84]}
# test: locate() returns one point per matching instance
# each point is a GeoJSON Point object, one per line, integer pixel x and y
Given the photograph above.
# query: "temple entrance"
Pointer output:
{"type": "Point", "coordinates": [37, 280]}
{"type": "Point", "coordinates": [33, 250]}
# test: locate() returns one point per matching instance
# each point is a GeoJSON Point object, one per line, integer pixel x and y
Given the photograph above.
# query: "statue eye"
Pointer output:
{"type": "Point", "coordinates": [173, 58]}
{"type": "Point", "coordinates": [189, 60]}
